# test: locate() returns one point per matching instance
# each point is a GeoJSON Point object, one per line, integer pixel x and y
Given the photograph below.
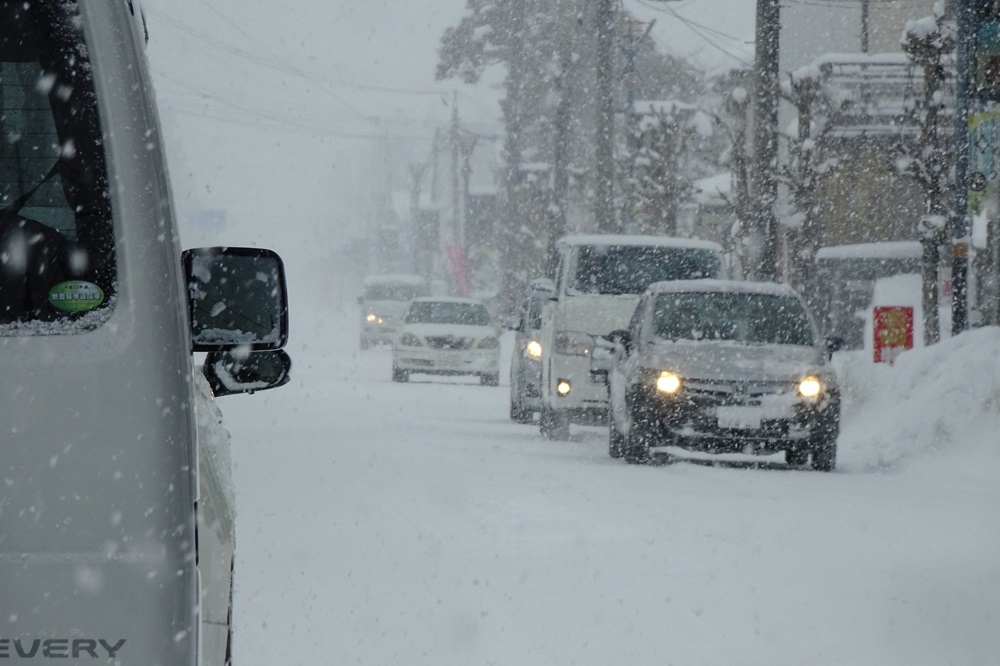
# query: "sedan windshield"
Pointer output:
{"type": "Point", "coordinates": [733, 316]}
{"type": "Point", "coordinates": [629, 269]}
{"type": "Point", "coordinates": [447, 312]}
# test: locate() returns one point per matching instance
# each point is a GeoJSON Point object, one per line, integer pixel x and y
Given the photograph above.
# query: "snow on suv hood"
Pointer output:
{"type": "Point", "coordinates": [597, 314]}
{"type": "Point", "coordinates": [734, 361]}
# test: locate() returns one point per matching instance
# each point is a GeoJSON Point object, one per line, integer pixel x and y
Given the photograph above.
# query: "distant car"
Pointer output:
{"type": "Point", "coordinates": [723, 367]}
{"type": "Point", "coordinates": [383, 303]}
{"type": "Point", "coordinates": [447, 336]}
{"type": "Point", "coordinates": [526, 359]}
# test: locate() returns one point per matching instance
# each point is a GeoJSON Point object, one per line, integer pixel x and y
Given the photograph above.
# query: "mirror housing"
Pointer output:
{"type": "Point", "coordinates": [237, 297]}
{"type": "Point", "coordinates": [622, 338]}
{"type": "Point", "coordinates": [231, 372]}
{"type": "Point", "coordinates": [835, 343]}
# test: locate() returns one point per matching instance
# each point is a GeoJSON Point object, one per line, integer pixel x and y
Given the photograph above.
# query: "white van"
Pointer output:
{"type": "Point", "coordinates": [599, 279]}
{"type": "Point", "coordinates": [116, 531]}
{"type": "Point", "coordinates": [383, 304]}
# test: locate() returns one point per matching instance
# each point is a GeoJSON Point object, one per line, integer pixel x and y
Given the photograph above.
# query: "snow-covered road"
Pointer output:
{"type": "Point", "coordinates": [385, 523]}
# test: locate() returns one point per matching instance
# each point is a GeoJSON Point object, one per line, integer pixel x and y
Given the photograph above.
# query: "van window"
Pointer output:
{"type": "Point", "coordinates": [57, 260]}
{"type": "Point", "coordinates": [629, 269]}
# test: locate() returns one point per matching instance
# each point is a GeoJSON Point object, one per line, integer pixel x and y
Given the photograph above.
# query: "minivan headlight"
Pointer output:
{"type": "Point", "coordinates": [371, 318]}
{"type": "Point", "coordinates": [533, 349]}
{"type": "Point", "coordinates": [571, 343]}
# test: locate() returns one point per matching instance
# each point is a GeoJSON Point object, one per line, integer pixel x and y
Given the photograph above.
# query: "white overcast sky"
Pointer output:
{"type": "Point", "coordinates": [276, 112]}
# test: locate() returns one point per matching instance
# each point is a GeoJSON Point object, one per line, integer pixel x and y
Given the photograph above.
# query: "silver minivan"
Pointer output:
{"type": "Point", "coordinates": [116, 529]}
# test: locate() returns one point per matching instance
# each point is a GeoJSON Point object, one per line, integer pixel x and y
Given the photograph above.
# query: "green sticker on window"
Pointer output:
{"type": "Point", "coordinates": [76, 296]}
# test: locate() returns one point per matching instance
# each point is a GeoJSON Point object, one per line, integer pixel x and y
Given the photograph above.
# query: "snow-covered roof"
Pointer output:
{"type": "Point", "coordinates": [737, 286]}
{"type": "Point", "coordinates": [626, 239]}
{"type": "Point", "coordinates": [394, 280]}
{"type": "Point", "coordinates": [884, 250]}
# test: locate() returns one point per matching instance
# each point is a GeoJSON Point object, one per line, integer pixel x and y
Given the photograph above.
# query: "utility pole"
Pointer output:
{"type": "Point", "coordinates": [455, 188]}
{"type": "Point", "coordinates": [633, 33]}
{"type": "Point", "coordinates": [765, 137]}
{"type": "Point", "coordinates": [962, 224]}
{"type": "Point", "coordinates": [865, 25]}
{"type": "Point", "coordinates": [604, 191]}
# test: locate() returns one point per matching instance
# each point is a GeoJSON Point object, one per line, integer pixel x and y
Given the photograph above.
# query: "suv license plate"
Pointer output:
{"type": "Point", "coordinates": [738, 418]}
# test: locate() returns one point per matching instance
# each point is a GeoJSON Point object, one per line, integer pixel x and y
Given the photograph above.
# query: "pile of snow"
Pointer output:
{"type": "Point", "coordinates": [934, 403]}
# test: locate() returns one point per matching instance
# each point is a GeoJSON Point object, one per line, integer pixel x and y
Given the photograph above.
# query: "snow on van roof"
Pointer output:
{"type": "Point", "coordinates": [884, 250]}
{"type": "Point", "coordinates": [738, 286]}
{"type": "Point", "coordinates": [401, 279]}
{"type": "Point", "coordinates": [634, 240]}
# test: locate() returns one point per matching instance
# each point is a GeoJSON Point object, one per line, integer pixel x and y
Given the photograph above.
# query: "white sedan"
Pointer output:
{"type": "Point", "coordinates": [447, 336]}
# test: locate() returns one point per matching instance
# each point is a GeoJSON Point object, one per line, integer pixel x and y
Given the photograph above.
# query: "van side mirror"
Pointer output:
{"type": "Point", "coordinates": [237, 297]}
{"type": "Point", "coordinates": [230, 372]}
{"type": "Point", "coordinates": [621, 338]}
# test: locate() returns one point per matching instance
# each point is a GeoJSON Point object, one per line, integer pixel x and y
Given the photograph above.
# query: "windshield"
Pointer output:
{"type": "Point", "coordinates": [57, 262]}
{"type": "Point", "coordinates": [391, 292]}
{"type": "Point", "coordinates": [731, 316]}
{"type": "Point", "coordinates": [447, 312]}
{"type": "Point", "coordinates": [625, 269]}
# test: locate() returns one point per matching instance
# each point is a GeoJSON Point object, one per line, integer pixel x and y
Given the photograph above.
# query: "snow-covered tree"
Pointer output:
{"type": "Point", "coordinates": [815, 102]}
{"type": "Point", "coordinates": [929, 43]}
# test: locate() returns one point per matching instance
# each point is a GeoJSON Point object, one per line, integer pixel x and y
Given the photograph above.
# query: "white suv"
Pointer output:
{"type": "Point", "coordinates": [599, 279]}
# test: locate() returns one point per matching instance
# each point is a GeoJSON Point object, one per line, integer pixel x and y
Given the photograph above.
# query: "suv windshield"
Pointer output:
{"type": "Point", "coordinates": [733, 316]}
{"type": "Point", "coordinates": [57, 262]}
{"type": "Point", "coordinates": [629, 269]}
{"type": "Point", "coordinates": [446, 312]}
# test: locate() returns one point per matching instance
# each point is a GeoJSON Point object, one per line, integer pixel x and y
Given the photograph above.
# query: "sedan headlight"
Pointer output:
{"type": "Point", "coordinates": [571, 343]}
{"type": "Point", "coordinates": [810, 387]}
{"type": "Point", "coordinates": [489, 343]}
{"type": "Point", "coordinates": [668, 382]}
{"type": "Point", "coordinates": [533, 349]}
{"type": "Point", "coordinates": [410, 340]}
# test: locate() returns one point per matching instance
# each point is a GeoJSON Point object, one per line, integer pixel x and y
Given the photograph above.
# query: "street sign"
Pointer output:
{"type": "Point", "coordinates": [893, 329]}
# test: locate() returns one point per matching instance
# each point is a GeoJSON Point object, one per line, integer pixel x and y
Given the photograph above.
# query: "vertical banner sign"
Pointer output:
{"type": "Point", "coordinates": [893, 328]}
{"type": "Point", "coordinates": [459, 269]}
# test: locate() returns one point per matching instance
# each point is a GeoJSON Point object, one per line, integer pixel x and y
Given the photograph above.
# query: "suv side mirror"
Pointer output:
{"type": "Point", "coordinates": [236, 298]}
{"type": "Point", "coordinates": [230, 372]}
{"type": "Point", "coordinates": [835, 344]}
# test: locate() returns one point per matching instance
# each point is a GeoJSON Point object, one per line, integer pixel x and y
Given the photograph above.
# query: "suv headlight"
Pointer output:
{"type": "Point", "coordinates": [533, 349]}
{"type": "Point", "coordinates": [410, 340]}
{"type": "Point", "coordinates": [571, 343]}
{"type": "Point", "coordinates": [668, 382]}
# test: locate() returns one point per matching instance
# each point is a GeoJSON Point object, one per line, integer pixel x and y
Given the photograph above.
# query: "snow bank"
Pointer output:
{"type": "Point", "coordinates": [935, 403]}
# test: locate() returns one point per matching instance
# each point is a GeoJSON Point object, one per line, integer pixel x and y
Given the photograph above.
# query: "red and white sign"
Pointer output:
{"type": "Point", "coordinates": [893, 328]}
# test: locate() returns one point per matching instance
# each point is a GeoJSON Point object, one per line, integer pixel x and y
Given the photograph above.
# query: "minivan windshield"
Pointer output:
{"type": "Point", "coordinates": [57, 260]}
{"type": "Point", "coordinates": [393, 292]}
{"type": "Point", "coordinates": [732, 316]}
{"type": "Point", "coordinates": [629, 269]}
{"type": "Point", "coordinates": [448, 312]}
